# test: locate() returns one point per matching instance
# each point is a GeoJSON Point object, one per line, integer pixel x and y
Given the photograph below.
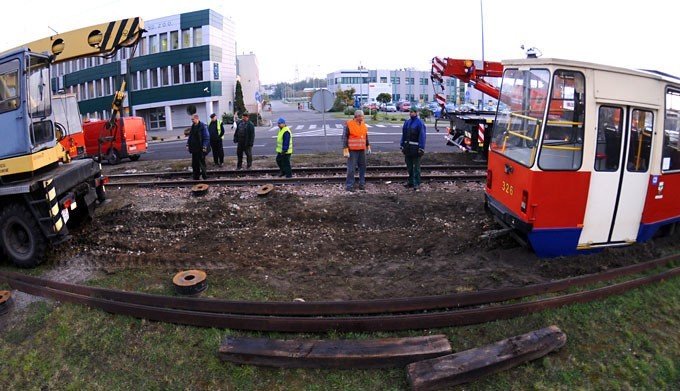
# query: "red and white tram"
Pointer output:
{"type": "Point", "coordinates": [584, 156]}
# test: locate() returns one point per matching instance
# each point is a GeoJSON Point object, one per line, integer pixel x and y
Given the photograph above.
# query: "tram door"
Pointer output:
{"type": "Point", "coordinates": [620, 175]}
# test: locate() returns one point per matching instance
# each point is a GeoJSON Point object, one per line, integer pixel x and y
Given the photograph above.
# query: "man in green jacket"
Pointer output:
{"type": "Point", "coordinates": [244, 137]}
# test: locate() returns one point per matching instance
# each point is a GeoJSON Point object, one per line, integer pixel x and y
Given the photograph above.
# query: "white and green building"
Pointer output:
{"type": "Point", "coordinates": [184, 62]}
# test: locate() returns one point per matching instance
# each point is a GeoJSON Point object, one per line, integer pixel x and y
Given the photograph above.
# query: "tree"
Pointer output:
{"type": "Point", "coordinates": [239, 105]}
{"type": "Point", "coordinates": [343, 99]}
{"type": "Point", "coordinates": [384, 98]}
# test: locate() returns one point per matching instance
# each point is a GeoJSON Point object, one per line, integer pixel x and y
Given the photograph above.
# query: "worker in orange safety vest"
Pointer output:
{"type": "Point", "coordinates": [355, 146]}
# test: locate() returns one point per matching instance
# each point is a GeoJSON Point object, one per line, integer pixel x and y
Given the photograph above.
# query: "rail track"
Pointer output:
{"type": "Point", "coordinates": [301, 175]}
{"type": "Point", "coordinates": [349, 316]}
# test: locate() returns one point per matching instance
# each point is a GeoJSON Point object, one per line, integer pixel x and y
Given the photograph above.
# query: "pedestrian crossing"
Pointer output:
{"type": "Point", "coordinates": [313, 130]}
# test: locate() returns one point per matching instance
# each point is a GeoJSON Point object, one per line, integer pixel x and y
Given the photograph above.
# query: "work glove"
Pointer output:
{"type": "Point", "coordinates": [421, 152]}
{"type": "Point", "coordinates": [345, 152]}
{"type": "Point", "coordinates": [368, 150]}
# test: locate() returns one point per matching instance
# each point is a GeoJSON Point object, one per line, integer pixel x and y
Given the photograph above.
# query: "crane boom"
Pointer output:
{"type": "Point", "coordinates": [101, 40]}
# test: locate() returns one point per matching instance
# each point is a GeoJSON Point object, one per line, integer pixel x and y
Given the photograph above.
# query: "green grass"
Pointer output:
{"type": "Point", "coordinates": [623, 342]}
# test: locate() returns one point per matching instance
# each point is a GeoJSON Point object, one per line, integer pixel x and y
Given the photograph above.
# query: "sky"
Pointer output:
{"type": "Point", "coordinates": [298, 39]}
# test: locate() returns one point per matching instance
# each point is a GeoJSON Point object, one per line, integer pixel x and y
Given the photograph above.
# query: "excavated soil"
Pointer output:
{"type": "Point", "coordinates": [319, 242]}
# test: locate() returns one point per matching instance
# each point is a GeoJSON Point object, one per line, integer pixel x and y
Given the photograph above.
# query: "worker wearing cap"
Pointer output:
{"type": "Point", "coordinates": [412, 144]}
{"type": "Point", "coordinates": [284, 148]}
{"type": "Point", "coordinates": [216, 131]}
{"type": "Point", "coordinates": [355, 146]}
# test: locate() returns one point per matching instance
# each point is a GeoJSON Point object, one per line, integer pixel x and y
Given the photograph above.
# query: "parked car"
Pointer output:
{"type": "Point", "coordinates": [390, 107]}
{"type": "Point", "coordinates": [371, 106]}
{"type": "Point", "coordinates": [405, 106]}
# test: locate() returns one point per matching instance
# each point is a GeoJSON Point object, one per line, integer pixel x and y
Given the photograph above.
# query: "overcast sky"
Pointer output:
{"type": "Point", "coordinates": [296, 39]}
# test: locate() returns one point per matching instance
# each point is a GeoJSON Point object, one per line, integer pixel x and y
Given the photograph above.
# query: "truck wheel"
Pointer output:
{"type": "Point", "coordinates": [134, 158]}
{"type": "Point", "coordinates": [113, 157]}
{"type": "Point", "coordinates": [21, 238]}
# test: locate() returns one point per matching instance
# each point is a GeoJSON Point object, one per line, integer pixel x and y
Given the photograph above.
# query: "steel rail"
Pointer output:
{"type": "Point", "coordinates": [340, 324]}
{"type": "Point", "coordinates": [350, 307]}
{"type": "Point", "coordinates": [298, 170]}
{"type": "Point", "coordinates": [294, 180]}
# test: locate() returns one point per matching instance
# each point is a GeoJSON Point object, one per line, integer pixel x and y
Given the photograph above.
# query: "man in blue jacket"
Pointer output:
{"type": "Point", "coordinates": [413, 135]}
{"type": "Point", "coordinates": [197, 145]}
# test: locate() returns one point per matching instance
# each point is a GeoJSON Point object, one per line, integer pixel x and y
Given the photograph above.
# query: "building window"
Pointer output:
{"type": "Point", "coordinates": [98, 87]}
{"type": "Point", "coordinates": [383, 79]}
{"type": "Point", "coordinates": [164, 42]}
{"type": "Point", "coordinates": [396, 80]}
{"type": "Point", "coordinates": [423, 81]}
{"type": "Point", "coordinates": [143, 50]}
{"type": "Point", "coordinates": [187, 73]}
{"type": "Point", "coordinates": [123, 55]}
{"type": "Point", "coordinates": [165, 77]}
{"type": "Point", "coordinates": [186, 38]}
{"type": "Point", "coordinates": [153, 44]}
{"type": "Point", "coordinates": [174, 40]}
{"type": "Point", "coordinates": [133, 81]}
{"type": "Point", "coordinates": [90, 90]}
{"type": "Point", "coordinates": [157, 118]}
{"type": "Point", "coordinates": [409, 81]}
{"type": "Point", "coordinates": [423, 97]}
{"type": "Point", "coordinates": [198, 71]}
{"type": "Point", "coordinates": [396, 97]}
{"type": "Point", "coordinates": [154, 78]}
{"type": "Point", "coordinates": [145, 79]}
{"type": "Point", "coordinates": [107, 86]}
{"type": "Point", "coordinates": [198, 36]}
{"type": "Point", "coordinates": [175, 74]}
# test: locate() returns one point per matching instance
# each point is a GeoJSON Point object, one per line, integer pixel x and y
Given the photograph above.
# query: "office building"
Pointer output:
{"type": "Point", "coordinates": [184, 63]}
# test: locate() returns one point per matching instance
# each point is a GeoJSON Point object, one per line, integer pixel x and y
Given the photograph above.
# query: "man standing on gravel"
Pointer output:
{"type": "Point", "coordinates": [284, 148]}
{"type": "Point", "coordinates": [216, 130]}
{"type": "Point", "coordinates": [412, 144]}
{"type": "Point", "coordinates": [244, 137]}
{"type": "Point", "coordinates": [355, 146]}
{"type": "Point", "coordinates": [197, 145]}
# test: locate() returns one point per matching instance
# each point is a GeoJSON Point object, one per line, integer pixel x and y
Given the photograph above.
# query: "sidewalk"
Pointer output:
{"type": "Point", "coordinates": [156, 136]}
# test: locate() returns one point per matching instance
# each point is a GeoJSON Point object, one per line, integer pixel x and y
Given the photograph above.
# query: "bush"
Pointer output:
{"type": "Point", "coordinates": [227, 118]}
{"type": "Point", "coordinates": [349, 110]}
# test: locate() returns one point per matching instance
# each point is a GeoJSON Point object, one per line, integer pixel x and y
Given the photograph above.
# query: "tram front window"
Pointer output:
{"type": "Point", "coordinates": [562, 144]}
{"type": "Point", "coordinates": [517, 129]}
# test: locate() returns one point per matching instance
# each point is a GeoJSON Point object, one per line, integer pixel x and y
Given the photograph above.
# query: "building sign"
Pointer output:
{"type": "Point", "coordinates": [216, 71]}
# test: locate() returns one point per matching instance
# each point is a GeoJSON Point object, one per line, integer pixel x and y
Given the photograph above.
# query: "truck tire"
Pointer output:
{"type": "Point", "coordinates": [134, 158]}
{"type": "Point", "coordinates": [22, 241]}
{"type": "Point", "coordinates": [113, 157]}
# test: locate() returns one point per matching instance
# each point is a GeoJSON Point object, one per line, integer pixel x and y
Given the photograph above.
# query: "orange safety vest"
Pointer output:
{"type": "Point", "coordinates": [357, 135]}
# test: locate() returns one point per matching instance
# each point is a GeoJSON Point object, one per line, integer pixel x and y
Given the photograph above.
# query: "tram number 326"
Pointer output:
{"type": "Point", "coordinates": [507, 188]}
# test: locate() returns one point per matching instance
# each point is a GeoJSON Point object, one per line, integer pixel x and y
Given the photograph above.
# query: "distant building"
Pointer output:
{"type": "Point", "coordinates": [403, 85]}
{"type": "Point", "coordinates": [248, 70]}
{"type": "Point", "coordinates": [184, 62]}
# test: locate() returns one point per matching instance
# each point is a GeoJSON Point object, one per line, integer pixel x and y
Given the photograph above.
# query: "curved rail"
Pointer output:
{"type": "Point", "coordinates": [419, 320]}
{"type": "Point", "coordinates": [351, 307]}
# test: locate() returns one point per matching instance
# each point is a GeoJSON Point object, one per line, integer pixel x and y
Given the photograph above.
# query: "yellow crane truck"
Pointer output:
{"type": "Point", "coordinates": [42, 192]}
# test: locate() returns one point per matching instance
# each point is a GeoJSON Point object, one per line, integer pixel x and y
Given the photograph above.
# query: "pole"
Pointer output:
{"type": "Point", "coordinates": [323, 117]}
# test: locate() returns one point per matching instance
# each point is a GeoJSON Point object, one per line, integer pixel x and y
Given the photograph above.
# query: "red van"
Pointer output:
{"type": "Point", "coordinates": [125, 140]}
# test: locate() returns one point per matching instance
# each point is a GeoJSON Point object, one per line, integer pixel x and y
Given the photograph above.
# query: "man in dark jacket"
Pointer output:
{"type": "Point", "coordinates": [412, 143]}
{"type": "Point", "coordinates": [197, 145]}
{"type": "Point", "coordinates": [244, 137]}
{"type": "Point", "coordinates": [216, 130]}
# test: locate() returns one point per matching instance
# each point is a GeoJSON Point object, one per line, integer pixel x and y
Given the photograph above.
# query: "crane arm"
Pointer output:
{"type": "Point", "coordinates": [101, 40]}
{"type": "Point", "coordinates": [467, 71]}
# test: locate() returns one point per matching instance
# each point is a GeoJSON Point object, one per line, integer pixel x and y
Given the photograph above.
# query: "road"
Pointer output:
{"type": "Point", "coordinates": [310, 136]}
